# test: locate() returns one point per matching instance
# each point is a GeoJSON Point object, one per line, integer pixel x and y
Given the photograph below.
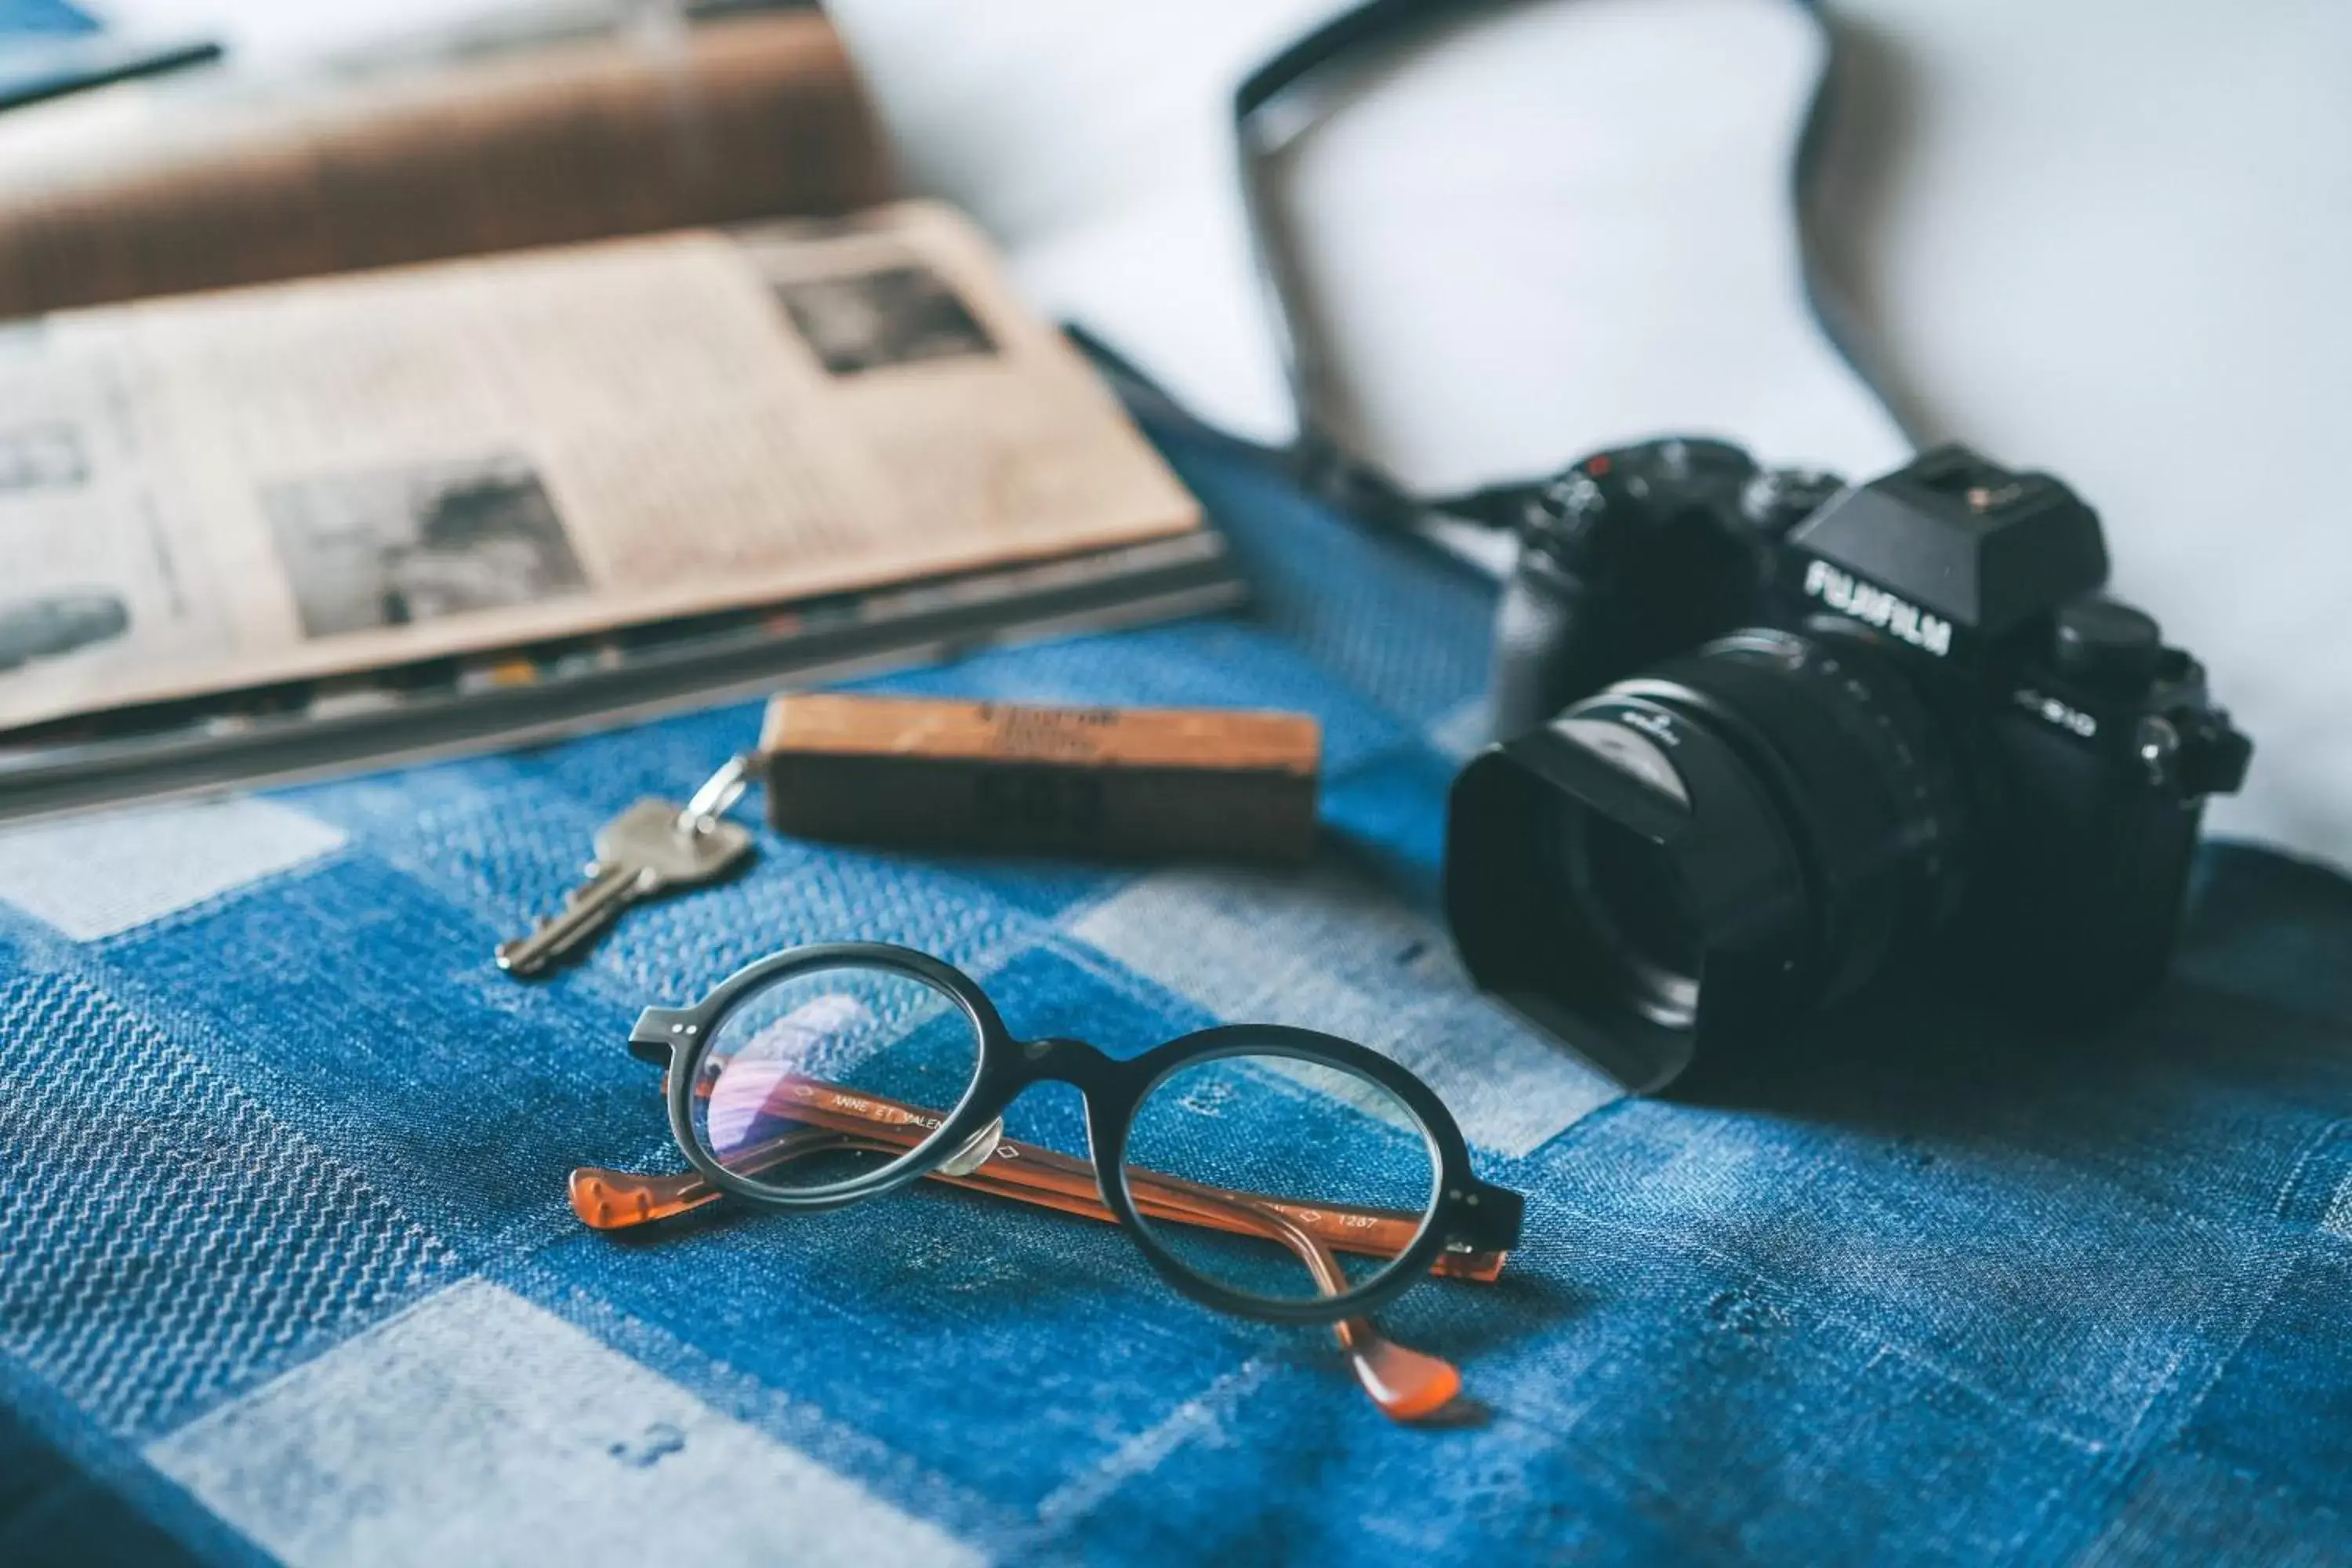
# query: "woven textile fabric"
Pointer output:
{"type": "Point", "coordinates": [287, 1270]}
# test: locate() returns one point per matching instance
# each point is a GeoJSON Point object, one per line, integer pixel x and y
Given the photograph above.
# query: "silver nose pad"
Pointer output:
{"type": "Point", "coordinates": [974, 1154]}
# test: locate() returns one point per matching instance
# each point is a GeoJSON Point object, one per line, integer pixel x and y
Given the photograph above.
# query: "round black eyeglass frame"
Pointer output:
{"type": "Point", "coordinates": [1464, 1213]}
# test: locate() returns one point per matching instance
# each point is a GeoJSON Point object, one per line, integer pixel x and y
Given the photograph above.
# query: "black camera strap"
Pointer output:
{"type": "Point", "coordinates": [1341, 48]}
{"type": "Point", "coordinates": [1280, 98]}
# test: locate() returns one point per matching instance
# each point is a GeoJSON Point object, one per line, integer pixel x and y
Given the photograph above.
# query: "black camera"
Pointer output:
{"type": "Point", "coordinates": [1768, 740]}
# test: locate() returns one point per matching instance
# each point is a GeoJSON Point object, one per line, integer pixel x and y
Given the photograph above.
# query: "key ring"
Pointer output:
{"type": "Point", "coordinates": [720, 791]}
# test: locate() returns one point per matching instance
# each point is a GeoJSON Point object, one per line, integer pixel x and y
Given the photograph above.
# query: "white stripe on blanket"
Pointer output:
{"type": "Point", "coordinates": [478, 1428]}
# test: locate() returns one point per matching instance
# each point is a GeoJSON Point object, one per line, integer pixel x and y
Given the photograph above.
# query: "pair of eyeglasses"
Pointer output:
{"type": "Point", "coordinates": [1272, 1173]}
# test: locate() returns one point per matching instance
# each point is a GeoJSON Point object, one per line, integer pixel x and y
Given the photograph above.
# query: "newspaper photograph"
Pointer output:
{"type": "Point", "coordinates": [219, 491]}
{"type": "Point", "coordinates": [419, 542]}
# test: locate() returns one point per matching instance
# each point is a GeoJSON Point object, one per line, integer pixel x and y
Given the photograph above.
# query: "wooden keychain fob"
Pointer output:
{"type": "Point", "coordinates": [1103, 782]}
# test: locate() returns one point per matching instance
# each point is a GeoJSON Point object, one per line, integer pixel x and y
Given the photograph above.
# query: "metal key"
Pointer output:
{"type": "Point", "coordinates": [652, 848]}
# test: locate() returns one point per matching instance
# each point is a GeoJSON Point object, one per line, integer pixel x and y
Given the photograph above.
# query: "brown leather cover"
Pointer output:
{"type": "Point", "coordinates": [726, 121]}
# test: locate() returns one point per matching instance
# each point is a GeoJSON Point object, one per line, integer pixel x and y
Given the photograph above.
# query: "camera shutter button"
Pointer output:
{"type": "Point", "coordinates": [2110, 642]}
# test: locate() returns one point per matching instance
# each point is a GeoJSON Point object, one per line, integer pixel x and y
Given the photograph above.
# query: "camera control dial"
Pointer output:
{"type": "Point", "coordinates": [2108, 643]}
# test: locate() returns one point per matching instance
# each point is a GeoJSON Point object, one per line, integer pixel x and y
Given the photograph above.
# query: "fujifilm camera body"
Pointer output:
{"type": "Point", "coordinates": [1767, 740]}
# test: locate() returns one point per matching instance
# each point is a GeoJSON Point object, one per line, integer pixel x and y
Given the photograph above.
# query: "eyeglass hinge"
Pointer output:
{"type": "Point", "coordinates": [661, 1030]}
{"type": "Point", "coordinates": [1488, 1217]}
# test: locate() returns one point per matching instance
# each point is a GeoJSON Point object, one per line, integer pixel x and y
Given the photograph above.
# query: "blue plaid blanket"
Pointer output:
{"type": "Point", "coordinates": [287, 1269]}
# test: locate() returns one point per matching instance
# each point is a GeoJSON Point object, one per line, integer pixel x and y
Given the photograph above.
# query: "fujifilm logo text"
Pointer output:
{"type": "Point", "coordinates": [1876, 608]}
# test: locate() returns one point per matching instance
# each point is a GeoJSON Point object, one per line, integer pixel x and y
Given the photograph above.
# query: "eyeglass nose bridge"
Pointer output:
{"type": "Point", "coordinates": [1058, 1059]}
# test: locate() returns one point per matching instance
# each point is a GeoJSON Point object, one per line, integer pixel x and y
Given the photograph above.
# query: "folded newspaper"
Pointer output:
{"type": "Point", "coordinates": [268, 530]}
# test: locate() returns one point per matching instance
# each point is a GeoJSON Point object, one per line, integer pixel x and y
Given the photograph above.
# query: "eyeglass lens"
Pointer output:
{"type": "Point", "coordinates": [777, 1089]}
{"type": "Point", "coordinates": [1275, 1140]}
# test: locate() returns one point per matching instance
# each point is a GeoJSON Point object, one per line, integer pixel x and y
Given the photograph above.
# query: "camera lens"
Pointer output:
{"type": "Point", "coordinates": [1734, 836]}
{"type": "Point", "coordinates": [1631, 896]}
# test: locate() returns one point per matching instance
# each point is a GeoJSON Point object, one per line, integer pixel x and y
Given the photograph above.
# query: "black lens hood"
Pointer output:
{"type": "Point", "coordinates": [1523, 936]}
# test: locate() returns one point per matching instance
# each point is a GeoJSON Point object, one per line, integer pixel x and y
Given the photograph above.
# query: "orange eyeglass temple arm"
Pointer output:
{"type": "Point", "coordinates": [1407, 1384]}
{"type": "Point", "coordinates": [1027, 1174]}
